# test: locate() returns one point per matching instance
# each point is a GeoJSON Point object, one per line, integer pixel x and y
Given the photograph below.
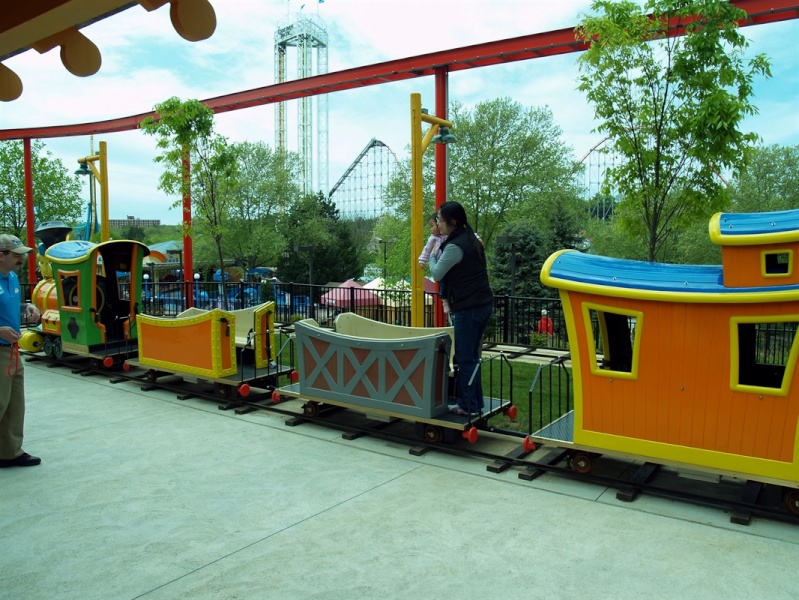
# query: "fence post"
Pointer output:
{"type": "Point", "coordinates": [505, 317]}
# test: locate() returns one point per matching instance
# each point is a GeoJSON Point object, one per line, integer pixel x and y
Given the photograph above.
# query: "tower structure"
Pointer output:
{"type": "Point", "coordinates": [308, 35]}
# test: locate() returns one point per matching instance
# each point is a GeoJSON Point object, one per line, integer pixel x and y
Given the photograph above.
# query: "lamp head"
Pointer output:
{"type": "Point", "coordinates": [444, 136]}
{"type": "Point", "coordinates": [83, 169]}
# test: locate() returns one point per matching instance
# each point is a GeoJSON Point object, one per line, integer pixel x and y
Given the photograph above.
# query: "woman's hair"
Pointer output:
{"type": "Point", "coordinates": [454, 211]}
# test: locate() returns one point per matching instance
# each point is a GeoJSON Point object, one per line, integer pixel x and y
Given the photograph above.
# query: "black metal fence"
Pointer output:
{"type": "Point", "coordinates": [515, 319]}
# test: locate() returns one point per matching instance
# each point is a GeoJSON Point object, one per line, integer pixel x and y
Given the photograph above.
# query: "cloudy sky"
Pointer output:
{"type": "Point", "coordinates": [145, 61]}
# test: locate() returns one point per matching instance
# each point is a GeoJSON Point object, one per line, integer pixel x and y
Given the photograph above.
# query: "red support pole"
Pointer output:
{"type": "Point", "coordinates": [442, 103]}
{"type": "Point", "coordinates": [30, 219]}
{"type": "Point", "coordinates": [188, 255]}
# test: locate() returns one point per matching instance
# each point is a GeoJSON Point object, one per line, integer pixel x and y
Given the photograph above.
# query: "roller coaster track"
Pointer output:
{"type": "Point", "coordinates": [360, 191]}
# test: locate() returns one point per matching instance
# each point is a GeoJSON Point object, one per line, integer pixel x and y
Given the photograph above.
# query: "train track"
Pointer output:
{"type": "Point", "coordinates": [743, 500]}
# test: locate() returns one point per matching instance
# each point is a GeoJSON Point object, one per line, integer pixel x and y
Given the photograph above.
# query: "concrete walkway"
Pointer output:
{"type": "Point", "coordinates": [141, 495]}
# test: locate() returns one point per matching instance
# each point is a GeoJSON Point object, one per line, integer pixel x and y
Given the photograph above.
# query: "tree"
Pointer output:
{"type": "Point", "coordinates": [56, 193]}
{"type": "Point", "coordinates": [518, 265]}
{"type": "Point", "coordinates": [267, 185]}
{"type": "Point", "coordinates": [770, 182]}
{"type": "Point", "coordinates": [509, 160]}
{"type": "Point", "coordinates": [314, 222]}
{"type": "Point", "coordinates": [672, 106]}
{"type": "Point", "coordinates": [133, 232]}
{"type": "Point", "coordinates": [509, 164]}
{"type": "Point", "coordinates": [185, 132]}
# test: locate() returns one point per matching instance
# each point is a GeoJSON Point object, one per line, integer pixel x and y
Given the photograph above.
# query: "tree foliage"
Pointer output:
{"type": "Point", "coordinates": [313, 224]}
{"type": "Point", "coordinates": [770, 181]}
{"type": "Point", "coordinates": [56, 192]}
{"type": "Point", "coordinates": [516, 267]}
{"type": "Point", "coordinates": [267, 185]}
{"type": "Point", "coordinates": [509, 163]}
{"type": "Point", "coordinates": [671, 106]}
{"type": "Point", "coordinates": [197, 161]}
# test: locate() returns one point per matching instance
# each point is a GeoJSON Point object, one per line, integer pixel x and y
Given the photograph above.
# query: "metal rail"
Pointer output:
{"type": "Point", "coordinates": [753, 499]}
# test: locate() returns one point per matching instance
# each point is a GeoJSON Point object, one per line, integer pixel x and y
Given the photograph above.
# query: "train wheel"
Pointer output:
{"type": "Point", "coordinates": [58, 351]}
{"type": "Point", "coordinates": [471, 435]}
{"type": "Point", "coordinates": [47, 347]}
{"type": "Point", "coordinates": [151, 375]}
{"type": "Point", "coordinates": [95, 364]}
{"type": "Point", "coordinates": [310, 409]}
{"type": "Point", "coordinates": [223, 391]}
{"type": "Point", "coordinates": [792, 501]}
{"type": "Point", "coordinates": [433, 434]}
{"type": "Point", "coordinates": [583, 462]}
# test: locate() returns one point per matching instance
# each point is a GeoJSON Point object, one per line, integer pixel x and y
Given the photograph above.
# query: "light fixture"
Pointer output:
{"type": "Point", "coordinates": [443, 136]}
{"type": "Point", "coordinates": [83, 169]}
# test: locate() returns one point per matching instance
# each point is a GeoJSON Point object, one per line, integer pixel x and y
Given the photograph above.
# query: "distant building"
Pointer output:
{"type": "Point", "coordinates": [133, 222]}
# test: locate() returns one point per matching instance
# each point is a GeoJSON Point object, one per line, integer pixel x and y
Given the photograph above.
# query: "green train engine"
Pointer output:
{"type": "Point", "coordinates": [85, 310]}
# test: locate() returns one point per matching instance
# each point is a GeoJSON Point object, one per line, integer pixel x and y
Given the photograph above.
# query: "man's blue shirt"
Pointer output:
{"type": "Point", "coordinates": [10, 302]}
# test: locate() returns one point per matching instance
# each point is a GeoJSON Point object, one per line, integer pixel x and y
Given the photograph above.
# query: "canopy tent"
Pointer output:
{"type": "Point", "coordinates": [350, 294]}
{"type": "Point", "coordinates": [389, 299]}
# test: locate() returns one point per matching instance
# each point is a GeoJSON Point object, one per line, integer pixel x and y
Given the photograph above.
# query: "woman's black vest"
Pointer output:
{"type": "Point", "coordinates": [467, 282]}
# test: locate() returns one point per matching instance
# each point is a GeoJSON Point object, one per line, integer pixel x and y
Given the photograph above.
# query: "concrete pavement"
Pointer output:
{"type": "Point", "coordinates": [142, 495]}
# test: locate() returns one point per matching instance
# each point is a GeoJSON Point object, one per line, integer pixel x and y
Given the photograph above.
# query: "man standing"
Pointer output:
{"type": "Point", "coordinates": [546, 326]}
{"type": "Point", "coordinates": [12, 371]}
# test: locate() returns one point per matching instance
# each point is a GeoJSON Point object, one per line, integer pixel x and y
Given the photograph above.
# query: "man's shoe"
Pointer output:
{"type": "Point", "coordinates": [23, 460]}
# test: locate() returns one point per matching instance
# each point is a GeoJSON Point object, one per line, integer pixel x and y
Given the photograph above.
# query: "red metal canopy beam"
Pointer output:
{"type": "Point", "coordinates": [539, 45]}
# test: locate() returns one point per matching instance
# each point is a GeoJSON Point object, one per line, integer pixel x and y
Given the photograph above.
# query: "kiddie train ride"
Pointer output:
{"type": "Point", "coordinates": [87, 312]}
{"type": "Point", "coordinates": [698, 363]}
{"type": "Point", "coordinates": [84, 309]}
{"type": "Point", "coordinates": [685, 366]}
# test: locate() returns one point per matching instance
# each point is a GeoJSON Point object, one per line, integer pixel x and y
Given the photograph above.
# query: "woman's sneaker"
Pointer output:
{"type": "Point", "coordinates": [455, 409]}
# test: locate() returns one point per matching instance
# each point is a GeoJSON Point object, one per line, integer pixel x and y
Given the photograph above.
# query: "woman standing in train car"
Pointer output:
{"type": "Point", "coordinates": [462, 268]}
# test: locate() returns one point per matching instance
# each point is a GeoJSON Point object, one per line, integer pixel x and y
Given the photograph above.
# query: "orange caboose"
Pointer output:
{"type": "Point", "coordinates": [689, 365]}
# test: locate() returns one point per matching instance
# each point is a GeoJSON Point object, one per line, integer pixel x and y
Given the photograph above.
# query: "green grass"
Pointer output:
{"type": "Point", "coordinates": [537, 405]}
{"type": "Point", "coordinates": [549, 398]}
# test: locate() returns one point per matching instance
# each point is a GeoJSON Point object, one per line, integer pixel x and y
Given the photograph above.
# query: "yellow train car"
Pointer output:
{"type": "Point", "coordinates": [686, 365]}
{"type": "Point", "coordinates": [234, 349]}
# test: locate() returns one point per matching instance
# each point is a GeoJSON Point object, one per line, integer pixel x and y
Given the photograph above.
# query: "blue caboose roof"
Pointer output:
{"type": "Point", "coordinates": [754, 228]}
{"type": "Point", "coordinates": [587, 272]}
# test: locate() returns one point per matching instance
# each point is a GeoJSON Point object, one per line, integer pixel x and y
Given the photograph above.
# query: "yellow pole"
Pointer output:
{"type": "Point", "coordinates": [418, 146]}
{"type": "Point", "coordinates": [101, 174]}
{"type": "Point", "coordinates": [105, 227]}
{"type": "Point", "coordinates": [417, 285]}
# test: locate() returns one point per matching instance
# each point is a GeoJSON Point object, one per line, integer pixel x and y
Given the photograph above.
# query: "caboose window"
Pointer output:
{"type": "Point", "coordinates": [764, 354]}
{"type": "Point", "coordinates": [778, 264]}
{"type": "Point", "coordinates": [616, 335]}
